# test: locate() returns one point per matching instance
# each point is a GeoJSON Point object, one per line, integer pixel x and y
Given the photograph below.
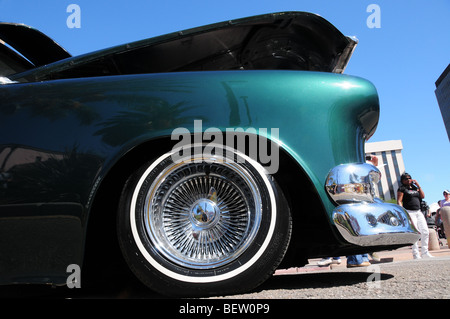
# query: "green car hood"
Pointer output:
{"type": "Point", "coordinates": [287, 40]}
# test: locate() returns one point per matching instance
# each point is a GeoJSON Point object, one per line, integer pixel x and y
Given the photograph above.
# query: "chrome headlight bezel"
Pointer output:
{"type": "Point", "coordinates": [360, 216]}
{"type": "Point", "coordinates": [353, 183]}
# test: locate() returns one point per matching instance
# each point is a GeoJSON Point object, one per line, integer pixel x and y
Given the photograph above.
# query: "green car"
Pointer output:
{"type": "Point", "coordinates": [201, 160]}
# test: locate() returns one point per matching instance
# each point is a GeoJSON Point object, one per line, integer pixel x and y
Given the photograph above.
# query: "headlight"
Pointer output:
{"type": "Point", "coordinates": [353, 183]}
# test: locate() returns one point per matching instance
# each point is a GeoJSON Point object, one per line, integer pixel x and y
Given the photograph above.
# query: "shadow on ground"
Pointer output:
{"type": "Point", "coordinates": [319, 280]}
{"type": "Point", "coordinates": [135, 290]}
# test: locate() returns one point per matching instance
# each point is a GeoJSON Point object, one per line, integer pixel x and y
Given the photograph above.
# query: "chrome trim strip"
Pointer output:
{"type": "Point", "coordinates": [373, 224]}
{"type": "Point", "coordinates": [346, 55]}
{"type": "Point", "coordinates": [350, 183]}
{"type": "Point", "coordinates": [5, 80]}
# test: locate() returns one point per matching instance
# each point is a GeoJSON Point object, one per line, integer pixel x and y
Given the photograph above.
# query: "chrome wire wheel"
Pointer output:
{"type": "Point", "coordinates": [204, 225]}
{"type": "Point", "coordinates": [203, 215]}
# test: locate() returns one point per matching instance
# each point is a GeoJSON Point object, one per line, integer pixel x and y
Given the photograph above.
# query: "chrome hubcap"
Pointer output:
{"type": "Point", "coordinates": [204, 214]}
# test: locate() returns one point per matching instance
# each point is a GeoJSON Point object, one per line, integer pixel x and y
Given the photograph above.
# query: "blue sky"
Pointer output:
{"type": "Point", "coordinates": [403, 58]}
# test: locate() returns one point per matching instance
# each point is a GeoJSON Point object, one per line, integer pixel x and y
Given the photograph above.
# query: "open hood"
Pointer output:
{"type": "Point", "coordinates": [23, 48]}
{"type": "Point", "coordinates": [288, 40]}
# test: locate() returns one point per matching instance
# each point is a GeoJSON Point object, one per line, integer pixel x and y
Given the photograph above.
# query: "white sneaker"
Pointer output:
{"type": "Point", "coordinates": [324, 262]}
{"type": "Point", "coordinates": [375, 257]}
{"type": "Point", "coordinates": [336, 261]}
{"type": "Point", "coordinates": [417, 257]}
{"type": "Point", "coordinates": [427, 255]}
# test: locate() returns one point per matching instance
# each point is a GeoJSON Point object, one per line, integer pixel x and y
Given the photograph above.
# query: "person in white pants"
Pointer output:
{"type": "Point", "coordinates": [409, 195]}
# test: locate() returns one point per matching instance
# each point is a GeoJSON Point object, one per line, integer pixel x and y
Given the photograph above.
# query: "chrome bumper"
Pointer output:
{"type": "Point", "coordinates": [361, 217]}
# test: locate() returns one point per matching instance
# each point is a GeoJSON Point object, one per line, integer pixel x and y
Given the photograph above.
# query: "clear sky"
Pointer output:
{"type": "Point", "coordinates": [403, 57]}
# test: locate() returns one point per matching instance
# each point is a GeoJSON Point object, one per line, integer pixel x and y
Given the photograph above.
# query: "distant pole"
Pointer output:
{"type": "Point", "coordinates": [445, 216]}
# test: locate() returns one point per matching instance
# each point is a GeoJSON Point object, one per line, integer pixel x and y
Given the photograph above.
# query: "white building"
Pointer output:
{"type": "Point", "coordinates": [390, 164]}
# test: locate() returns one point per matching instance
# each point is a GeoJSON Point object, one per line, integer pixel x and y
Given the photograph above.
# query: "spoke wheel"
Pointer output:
{"type": "Point", "coordinates": [202, 216]}
{"type": "Point", "coordinates": [200, 225]}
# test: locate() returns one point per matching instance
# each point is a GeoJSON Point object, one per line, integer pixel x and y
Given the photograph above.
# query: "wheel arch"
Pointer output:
{"type": "Point", "coordinates": [101, 236]}
{"type": "Point", "coordinates": [311, 230]}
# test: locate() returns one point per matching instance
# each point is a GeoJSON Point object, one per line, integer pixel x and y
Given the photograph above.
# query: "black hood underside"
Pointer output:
{"type": "Point", "coordinates": [288, 41]}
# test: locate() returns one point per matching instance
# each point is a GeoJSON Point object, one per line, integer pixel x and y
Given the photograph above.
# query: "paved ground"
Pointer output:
{"type": "Point", "coordinates": [400, 254]}
{"type": "Point", "coordinates": [396, 276]}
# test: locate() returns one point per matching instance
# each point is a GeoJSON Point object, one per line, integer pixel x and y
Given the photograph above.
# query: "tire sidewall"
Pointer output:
{"type": "Point", "coordinates": [242, 273]}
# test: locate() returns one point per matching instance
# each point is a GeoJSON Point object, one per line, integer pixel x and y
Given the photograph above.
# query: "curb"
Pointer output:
{"type": "Point", "coordinates": [387, 256]}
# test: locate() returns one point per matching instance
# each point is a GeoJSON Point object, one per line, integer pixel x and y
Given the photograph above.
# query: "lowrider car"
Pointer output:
{"type": "Point", "coordinates": [201, 160]}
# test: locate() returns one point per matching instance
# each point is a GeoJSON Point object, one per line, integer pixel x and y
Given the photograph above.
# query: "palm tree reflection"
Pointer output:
{"type": "Point", "coordinates": [146, 114]}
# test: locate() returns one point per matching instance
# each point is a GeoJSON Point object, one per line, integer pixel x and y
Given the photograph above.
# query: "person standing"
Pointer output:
{"type": "Point", "coordinates": [409, 195]}
{"type": "Point", "coordinates": [442, 203]}
{"type": "Point", "coordinates": [446, 200]}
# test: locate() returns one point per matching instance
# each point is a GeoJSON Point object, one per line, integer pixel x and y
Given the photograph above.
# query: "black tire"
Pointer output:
{"type": "Point", "coordinates": [207, 225]}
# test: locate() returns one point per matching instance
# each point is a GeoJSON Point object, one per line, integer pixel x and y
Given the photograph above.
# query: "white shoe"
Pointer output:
{"type": "Point", "coordinates": [325, 262]}
{"type": "Point", "coordinates": [336, 261]}
{"type": "Point", "coordinates": [375, 257]}
{"type": "Point", "coordinates": [427, 255]}
{"type": "Point", "coordinates": [417, 257]}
